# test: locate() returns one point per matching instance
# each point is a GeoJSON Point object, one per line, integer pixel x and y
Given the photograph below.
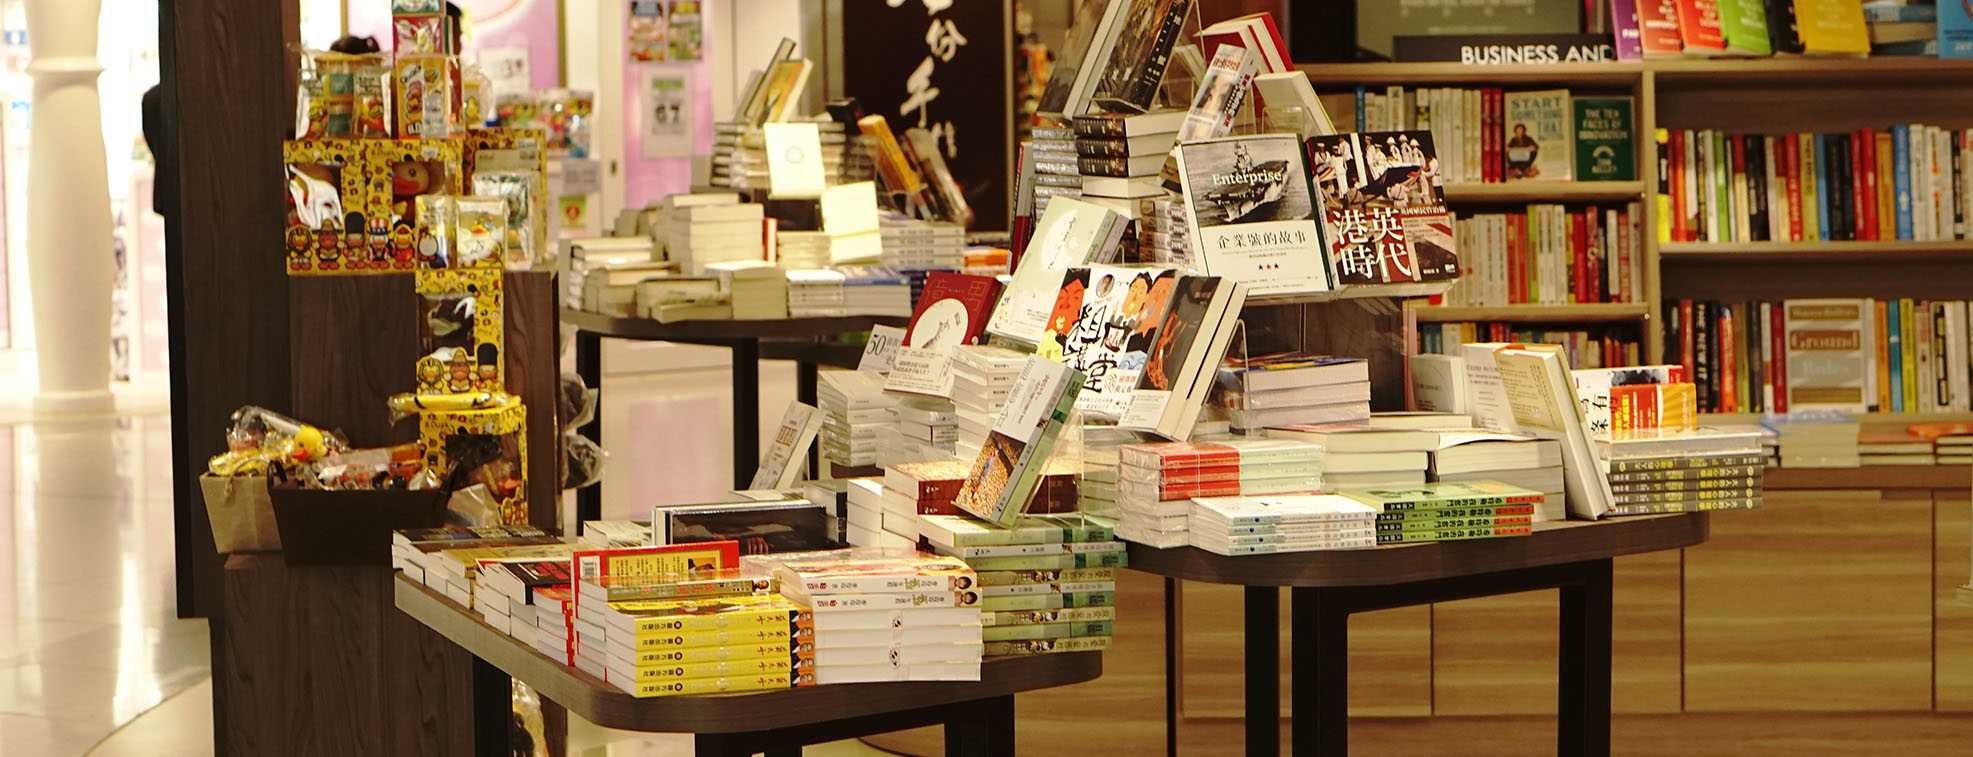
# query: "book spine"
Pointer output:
{"type": "Point", "coordinates": [1685, 468]}
{"type": "Point", "coordinates": [1143, 88]}
{"type": "Point", "coordinates": [1670, 225]}
{"type": "Point", "coordinates": [1743, 211]}
{"type": "Point", "coordinates": [1048, 646]}
{"type": "Point", "coordinates": [1448, 524]}
{"type": "Point", "coordinates": [728, 637]}
{"type": "Point", "coordinates": [1659, 508]}
{"type": "Point", "coordinates": [1865, 200]}
{"type": "Point", "coordinates": [1046, 630]}
{"type": "Point", "coordinates": [1688, 495]}
{"type": "Point", "coordinates": [1908, 355]}
{"type": "Point", "coordinates": [1579, 288]}
{"type": "Point", "coordinates": [736, 620]}
{"type": "Point", "coordinates": [1881, 347]}
{"type": "Point", "coordinates": [1456, 534]}
{"type": "Point", "coordinates": [1942, 384]}
{"type": "Point", "coordinates": [1791, 160]}
{"type": "Point", "coordinates": [1064, 615]}
{"type": "Point", "coordinates": [1702, 352]}
{"type": "Point", "coordinates": [1779, 354]}
{"type": "Point", "coordinates": [1729, 360]}
{"type": "Point", "coordinates": [1723, 205]}
{"type": "Point", "coordinates": [1821, 203]}
{"type": "Point", "coordinates": [1894, 354]}
{"type": "Point", "coordinates": [1441, 513]}
{"type": "Point", "coordinates": [1721, 483]}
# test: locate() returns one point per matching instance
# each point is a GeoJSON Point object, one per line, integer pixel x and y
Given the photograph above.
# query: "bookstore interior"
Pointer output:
{"type": "Point", "coordinates": [737, 377]}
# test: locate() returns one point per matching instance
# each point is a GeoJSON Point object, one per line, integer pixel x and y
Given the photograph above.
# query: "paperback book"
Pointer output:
{"type": "Point", "coordinates": [1251, 215]}
{"type": "Point", "coordinates": [1383, 204]}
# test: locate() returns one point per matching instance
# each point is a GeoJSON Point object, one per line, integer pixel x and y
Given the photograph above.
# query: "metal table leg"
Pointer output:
{"type": "Point", "coordinates": [1171, 667]}
{"type": "Point", "coordinates": [1320, 706]}
{"type": "Point", "coordinates": [746, 411]}
{"type": "Point", "coordinates": [1582, 724]}
{"type": "Point", "coordinates": [1263, 615]}
{"type": "Point", "coordinates": [984, 728]}
{"type": "Point", "coordinates": [493, 707]}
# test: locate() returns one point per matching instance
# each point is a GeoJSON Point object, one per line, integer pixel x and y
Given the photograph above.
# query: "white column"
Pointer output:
{"type": "Point", "coordinates": [69, 250]}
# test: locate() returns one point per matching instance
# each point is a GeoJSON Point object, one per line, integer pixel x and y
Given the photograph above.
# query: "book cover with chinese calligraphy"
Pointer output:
{"type": "Point", "coordinates": [1384, 209]}
{"type": "Point", "coordinates": [1251, 214]}
{"type": "Point", "coordinates": [1110, 338]}
{"type": "Point", "coordinates": [1070, 232]}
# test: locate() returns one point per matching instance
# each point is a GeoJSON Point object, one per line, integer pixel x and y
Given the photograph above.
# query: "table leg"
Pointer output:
{"type": "Point", "coordinates": [722, 745]}
{"type": "Point", "coordinates": [1320, 708]}
{"type": "Point", "coordinates": [807, 376]}
{"type": "Point", "coordinates": [1171, 667]}
{"type": "Point", "coordinates": [982, 728]}
{"type": "Point", "coordinates": [589, 365]}
{"type": "Point", "coordinates": [1263, 614]}
{"type": "Point", "coordinates": [1583, 686]}
{"type": "Point", "coordinates": [493, 707]}
{"type": "Point", "coordinates": [746, 411]}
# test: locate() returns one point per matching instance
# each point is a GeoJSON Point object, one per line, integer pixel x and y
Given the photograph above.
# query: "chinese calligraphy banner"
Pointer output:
{"type": "Point", "coordinates": [941, 65]}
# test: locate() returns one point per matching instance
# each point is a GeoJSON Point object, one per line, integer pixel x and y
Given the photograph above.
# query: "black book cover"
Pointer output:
{"type": "Point", "coordinates": [1756, 370]}
{"type": "Point", "coordinates": [1142, 54]}
{"type": "Point", "coordinates": [1714, 355]}
{"type": "Point", "coordinates": [1836, 148]}
{"type": "Point", "coordinates": [1674, 334]}
{"type": "Point", "coordinates": [1781, 29]}
{"type": "Point", "coordinates": [1757, 215]}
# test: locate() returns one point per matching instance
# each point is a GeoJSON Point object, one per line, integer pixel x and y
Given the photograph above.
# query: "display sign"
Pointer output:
{"type": "Point", "coordinates": [940, 65]}
{"type": "Point", "coordinates": [1378, 21]}
{"type": "Point", "coordinates": [1507, 49]}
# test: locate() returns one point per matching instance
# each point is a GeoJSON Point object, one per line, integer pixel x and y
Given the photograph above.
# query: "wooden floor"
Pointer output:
{"type": "Point", "coordinates": [1122, 713]}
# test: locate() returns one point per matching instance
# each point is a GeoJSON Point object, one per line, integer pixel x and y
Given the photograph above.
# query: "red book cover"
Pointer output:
{"type": "Point", "coordinates": [1497, 111]}
{"type": "Point", "coordinates": [1489, 136]}
{"type": "Point", "coordinates": [1579, 253]}
{"type": "Point", "coordinates": [1162, 455]}
{"type": "Point", "coordinates": [1792, 163]}
{"type": "Point", "coordinates": [1657, 22]}
{"type": "Point", "coordinates": [1598, 289]}
{"type": "Point", "coordinates": [1517, 258]}
{"type": "Point", "coordinates": [1699, 27]}
{"type": "Point", "coordinates": [953, 310]}
{"type": "Point", "coordinates": [1866, 168]}
{"type": "Point", "coordinates": [1626, 286]}
{"type": "Point", "coordinates": [1675, 168]}
{"type": "Point", "coordinates": [1686, 337]}
{"type": "Point", "coordinates": [1729, 378]}
{"type": "Point", "coordinates": [1184, 475]}
{"type": "Point", "coordinates": [1635, 406]}
{"type": "Point", "coordinates": [1777, 323]}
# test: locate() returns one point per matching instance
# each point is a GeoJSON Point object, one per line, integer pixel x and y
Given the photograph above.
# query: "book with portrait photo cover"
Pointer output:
{"type": "Point", "coordinates": [1383, 207]}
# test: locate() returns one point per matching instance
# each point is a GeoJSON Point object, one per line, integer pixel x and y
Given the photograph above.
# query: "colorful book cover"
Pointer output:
{"type": "Point", "coordinates": [1832, 27]}
{"type": "Point", "coordinates": [1624, 25]}
{"type": "Point", "coordinates": [1781, 31]}
{"type": "Point", "coordinates": [1744, 25]}
{"type": "Point", "coordinates": [1699, 27]}
{"type": "Point", "coordinates": [1657, 20]}
{"type": "Point", "coordinates": [1955, 29]}
{"type": "Point", "coordinates": [1184, 356]}
{"type": "Point", "coordinates": [1537, 129]}
{"type": "Point", "coordinates": [1901, 170]}
{"type": "Point", "coordinates": [1894, 354]}
{"type": "Point", "coordinates": [1603, 139]}
{"type": "Point", "coordinates": [1828, 354]}
{"type": "Point", "coordinates": [1252, 216]}
{"type": "Point", "coordinates": [953, 310]}
{"type": "Point", "coordinates": [1383, 205]}
{"type": "Point", "coordinates": [1908, 355]}
{"type": "Point", "coordinates": [1136, 66]}
{"type": "Point", "coordinates": [1109, 339]}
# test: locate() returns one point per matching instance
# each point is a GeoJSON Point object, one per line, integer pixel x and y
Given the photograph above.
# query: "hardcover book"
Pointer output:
{"type": "Point", "coordinates": [1142, 51]}
{"type": "Point", "coordinates": [1255, 32]}
{"type": "Point", "coordinates": [1010, 463]}
{"type": "Point", "coordinates": [1538, 144]}
{"type": "Point", "coordinates": [1604, 151]}
{"type": "Point", "coordinates": [1184, 356]}
{"type": "Point", "coordinates": [1383, 205]}
{"type": "Point", "coordinates": [952, 311]}
{"type": "Point", "coordinates": [1832, 27]}
{"type": "Point", "coordinates": [1252, 218]}
{"type": "Point", "coordinates": [1657, 20]}
{"type": "Point", "coordinates": [1743, 23]}
{"type": "Point", "coordinates": [1091, 38]}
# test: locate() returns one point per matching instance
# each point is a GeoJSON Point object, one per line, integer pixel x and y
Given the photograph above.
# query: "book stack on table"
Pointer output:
{"type": "Point", "coordinates": [982, 376]}
{"type": "Point", "coordinates": [1047, 583]}
{"type": "Point", "coordinates": [612, 534]}
{"type": "Point", "coordinates": [921, 428]}
{"type": "Point", "coordinates": [816, 293]}
{"type": "Point", "coordinates": [917, 489]}
{"type": "Point", "coordinates": [1294, 389]}
{"type": "Point", "coordinates": [1157, 481]}
{"type": "Point", "coordinates": [1120, 157]}
{"type": "Point", "coordinates": [914, 245]}
{"type": "Point", "coordinates": [413, 550]}
{"type": "Point", "coordinates": [883, 615]}
{"type": "Point", "coordinates": [1952, 442]}
{"type": "Point", "coordinates": [1361, 455]}
{"type": "Point", "coordinates": [1667, 471]}
{"type": "Point", "coordinates": [869, 523]}
{"type": "Point", "coordinates": [554, 622]}
{"type": "Point", "coordinates": [1280, 523]}
{"type": "Point", "coordinates": [1166, 237]}
{"type": "Point", "coordinates": [698, 633]}
{"type": "Point", "coordinates": [856, 413]}
{"type": "Point", "coordinates": [456, 571]}
{"type": "Point", "coordinates": [1450, 512]}
{"type": "Point", "coordinates": [874, 290]}
{"type": "Point", "coordinates": [504, 592]}
{"type": "Point", "coordinates": [697, 236]}
{"type": "Point", "coordinates": [802, 250]}
{"type": "Point", "coordinates": [1816, 439]}
{"type": "Point", "coordinates": [1053, 151]}
{"type": "Point", "coordinates": [1894, 447]}
{"type": "Point", "coordinates": [1471, 456]}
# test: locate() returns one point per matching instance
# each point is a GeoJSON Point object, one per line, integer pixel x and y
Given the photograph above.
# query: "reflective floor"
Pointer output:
{"type": "Point", "coordinates": [89, 638]}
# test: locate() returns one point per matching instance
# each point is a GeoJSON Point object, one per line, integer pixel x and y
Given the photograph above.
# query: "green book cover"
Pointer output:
{"type": "Point", "coordinates": [1604, 151]}
{"type": "Point", "coordinates": [1723, 209]}
{"type": "Point", "coordinates": [1744, 24]}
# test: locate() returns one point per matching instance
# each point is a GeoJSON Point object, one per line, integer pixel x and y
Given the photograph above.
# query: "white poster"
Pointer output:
{"type": "Point", "coordinates": [667, 109]}
{"type": "Point", "coordinates": [508, 68]}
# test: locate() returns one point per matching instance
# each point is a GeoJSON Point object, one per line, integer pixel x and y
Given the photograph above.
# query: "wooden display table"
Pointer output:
{"type": "Point", "coordinates": [798, 339]}
{"type": "Point", "coordinates": [978, 716]}
{"type": "Point", "coordinates": [1327, 586]}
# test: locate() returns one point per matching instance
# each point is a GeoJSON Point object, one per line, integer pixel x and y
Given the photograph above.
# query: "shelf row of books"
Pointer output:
{"type": "Point", "coordinates": [1650, 29]}
{"type": "Point", "coordinates": [1490, 135]}
{"type": "Point", "coordinates": [1586, 347]}
{"type": "Point", "coordinates": [1907, 182]}
{"type": "Point", "coordinates": [1550, 254]}
{"type": "Point", "coordinates": [1850, 355]}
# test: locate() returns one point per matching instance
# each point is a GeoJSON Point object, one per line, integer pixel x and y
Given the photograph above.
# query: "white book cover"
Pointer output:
{"type": "Point", "coordinates": [1956, 357]}
{"type": "Point", "coordinates": [794, 159]}
{"type": "Point", "coordinates": [1830, 357]}
{"type": "Point", "coordinates": [1438, 383]}
{"type": "Point", "coordinates": [1541, 395]}
{"type": "Point", "coordinates": [1251, 215]}
{"type": "Point", "coordinates": [781, 464]}
{"type": "Point", "coordinates": [1070, 233]}
{"type": "Point", "coordinates": [1281, 508]}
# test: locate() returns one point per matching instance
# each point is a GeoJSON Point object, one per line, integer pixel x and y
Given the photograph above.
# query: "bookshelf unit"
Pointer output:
{"type": "Point", "coordinates": [1766, 95]}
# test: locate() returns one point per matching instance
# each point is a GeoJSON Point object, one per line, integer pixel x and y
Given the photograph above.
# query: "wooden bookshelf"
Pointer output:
{"type": "Point", "coordinates": [1862, 253]}
{"type": "Point", "coordinates": [1544, 192]}
{"type": "Point", "coordinates": [1335, 75]}
{"type": "Point", "coordinates": [1609, 312]}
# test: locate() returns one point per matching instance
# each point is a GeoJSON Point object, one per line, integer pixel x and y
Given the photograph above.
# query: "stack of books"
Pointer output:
{"type": "Point", "coordinates": [614, 534]}
{"type": "Point", "coordinates": [667, 298]}
{"type": "Point", "coordinates": [833, 495]}
{"type": "Point", "coordinates": [921, 428]}
{"type": "Point", "coordinates": [802, 250]}
{"type": "Point", "coordinates": [1053, 151]}
{"type": "Point", "coordinates": [688, 634]}
{"type": "Point", "coordinates": [1165, 236]}
{"type": "Point", "coordinates": [699, 235]}
{"type": "Point", "coordinates": [504, 592]}
{"type": "Point", "coordinates": [1816, 439]}
{"type": "Point", "coordinates": [610, 287]}
{"type": "Point", "coordinates": [1358, 456]}
{"type": "Point", "coordinates": [874, 290]}
{"type": "Point", "coordinates": [1100, 447]}
{"type": "Point", "coordinates": [1952, 443]}
{"type": "Point", "coordinates": [816, 293]}
{"type": "Point", "coordinates": [757, 289]}
{"type": "Point", "coordinates": [1894, 447]}
{"type": "Point", "coordinates": [856, 412]}
{"type": "Point", "coordinates": [877, 616]}
{"type": "Point", "coordinates": [1052, 584]}
{"type": "Point", "coordinates": [413, 549]}
{"type": "Point", "coordinates": [456, 571]}
{"type": "Point", "coordinates": [1120, 155]}
{"type": "Point", "coordinates": [554, 622]}
{"type": "Point", "coordinates": [1282, 390]}
{"type": "Point", "coordinates": [1450, 512]}
{"type": "Point", "coordinates": [1280, 523]}
{"type": "Point", "coordinates": [1466, 457]}
{"type": "Point", "coordinates": [914, 245]}
{"type": "Point", "coordinates": [1656, 471]}
{"type": "Point", "coordinates": [914, 490]}
{"type": "Point", "coordinates": [1156, 481]}
{"type": "Point", "coordinates": [870, 520]}
{"type": "Point", "coordinates": [981, 378]}
{"type": "Point", "coordinates": [986, 261]}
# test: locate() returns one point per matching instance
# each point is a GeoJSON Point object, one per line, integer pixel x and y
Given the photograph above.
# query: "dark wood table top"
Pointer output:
{"type": "Point", "coordinates": [609, 706]}
{"type": "Point", "coordinates": [1552, 543]}
{"type": "Point", "coordinates": [685, 331]}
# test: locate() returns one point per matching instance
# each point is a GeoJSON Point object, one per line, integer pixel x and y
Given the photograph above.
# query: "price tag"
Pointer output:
{"type": "Point", "coordinates": [919, 370]}
{"type": "Point", "coordinates": [582, 176]}
{"type": "Point", "coordinates": [882, 350]}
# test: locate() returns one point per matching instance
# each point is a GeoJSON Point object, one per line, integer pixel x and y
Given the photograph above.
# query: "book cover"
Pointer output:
{"type": "Point", "coordinates": [1070, 232]}
{"type": "Point", "coordinates": [1781, 31]}
{"type": "Point", "coordinates": [1657, 20]}
{"type": "Point", "coordinates": [759, 527]}
{"type": "Point", "coordinates": [1699, 27]}
{"type": "Point", "coordinates": [1955, 29]}
{"type": "Point", "coordinates": [1256, 32]}
{"type": "Point", "coordinates": [1624, 25]}
{"type": "Point", "coordinates": [1090, 41]}
{"type": "Point", "coordinates": [677, 558]}
{"type": "Point", "coordinates": [1148, 31]}
{"type": "Point", "coordinates": [1541, 397]}
{"type": "Point", "coordinates": [1743, 23]}
{"type": "Point", "coordinates": [1828, 354]}
{"type": "Point", "coordinates": [781, 463]}
{"type": "Point", "coordinates": [1594, 387]}
{"type": "Point", "coordinates": [1538, 135]}
{"type": "Point", "coordinates": [1184, 356]}
{"type": "Point", "coordinates": [1109, 337]}
{"type": "Point", "coordinates": [1603, 139]}
{"type": "Point", "coordinates": [953, 310]}
{"type": "Point", "coordinates": [1251, 215]}
{"type": "Point", "coordinates": [1383, 205]}
{"type": "Point", "coordinates": [1009, 466]}
{"type": "Point", "coordinates": [1908, 333]}
{"type": "Point", "coordinates": [1832, 27]}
